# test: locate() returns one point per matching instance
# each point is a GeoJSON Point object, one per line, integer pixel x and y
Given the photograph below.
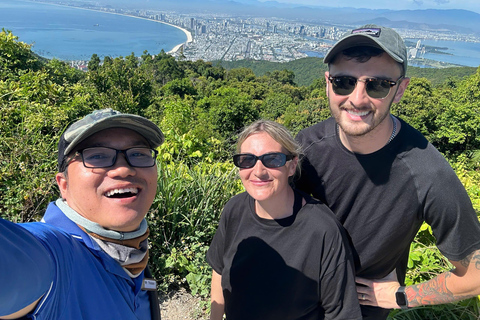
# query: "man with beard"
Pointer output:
{"type": "Point", "coordinates": [383, 179]}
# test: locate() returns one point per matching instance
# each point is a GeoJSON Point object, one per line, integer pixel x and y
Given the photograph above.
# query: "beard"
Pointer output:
{"type": "Point", "coordinates": [360, 128]}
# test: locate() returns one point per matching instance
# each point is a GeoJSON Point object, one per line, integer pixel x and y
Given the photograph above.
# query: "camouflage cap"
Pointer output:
{"type": "Point", "coordinates": [104, 119]}
{"type": "Point", "coordinates": [372, 35]}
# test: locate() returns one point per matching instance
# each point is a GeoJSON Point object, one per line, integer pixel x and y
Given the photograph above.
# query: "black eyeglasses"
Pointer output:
{"type": "Point", "coordinates": [376, 88]}
{"type": "Point", "coordinates": [104, 157]}
{"type": "Point", "coordinates": [269, 160]}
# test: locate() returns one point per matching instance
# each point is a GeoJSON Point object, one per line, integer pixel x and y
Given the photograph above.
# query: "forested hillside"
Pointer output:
{"type": "Point", "coordinates": [307, 70]}
{"type": "Point", "coordinates": [201, 107]}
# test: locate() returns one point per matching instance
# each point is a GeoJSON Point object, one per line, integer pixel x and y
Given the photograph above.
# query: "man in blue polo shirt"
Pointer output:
{"type": "Point", "coordinates": [87, 258]}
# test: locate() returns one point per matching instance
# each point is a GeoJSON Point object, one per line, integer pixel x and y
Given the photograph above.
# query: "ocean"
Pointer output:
{"type": "Point", "coordinates": [458, 52]}
{"type": "Point", "coordinates": [69, 33]}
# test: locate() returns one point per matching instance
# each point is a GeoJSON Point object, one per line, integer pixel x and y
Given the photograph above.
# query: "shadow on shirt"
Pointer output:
{"type": "Point", "coordinates": [264, 287]}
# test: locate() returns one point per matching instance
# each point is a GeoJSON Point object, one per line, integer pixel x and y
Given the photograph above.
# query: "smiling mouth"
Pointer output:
{"type": "Point", "coordinates": [122, 193]}
{"type": "Point", "coordinates": [260, 181]}
{"type": "Point", "coordinates": [358, 113]}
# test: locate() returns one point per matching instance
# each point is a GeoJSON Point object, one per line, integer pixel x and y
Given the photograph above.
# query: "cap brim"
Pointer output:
{"type": "Point", "coordinates": [142, 126]}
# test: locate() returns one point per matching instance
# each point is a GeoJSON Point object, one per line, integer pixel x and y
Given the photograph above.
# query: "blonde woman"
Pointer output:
{"type": "Point", "coordinates": [277, 253]}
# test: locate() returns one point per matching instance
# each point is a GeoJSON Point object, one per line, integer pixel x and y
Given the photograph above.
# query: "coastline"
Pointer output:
{"type": "Point", "coordinates": [175, 49]}
{"type": "Point", "coordinates": [178, 46]}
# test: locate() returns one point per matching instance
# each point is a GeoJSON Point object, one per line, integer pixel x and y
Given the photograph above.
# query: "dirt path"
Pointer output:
{"type": "Point", "coordinates": [181, 305]}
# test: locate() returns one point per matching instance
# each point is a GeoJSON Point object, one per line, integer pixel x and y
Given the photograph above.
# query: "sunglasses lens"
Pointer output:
{"type": "Point", "coordinates": [378, 89]}
{"type": "Point", "coordinates": [270, 160]}
{"type": "Point", "coordinates": [244, 161]}
{"type": "Point", "coordinates": [274, 160]}
{"type": "Point", "coordinates": [343, 85]}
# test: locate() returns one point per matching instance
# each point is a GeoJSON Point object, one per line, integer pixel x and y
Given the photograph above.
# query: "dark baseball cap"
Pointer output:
{"type": "Point", "coordinates": [371, 35]}
{"type": "Point", "coordinates": [105, 119]}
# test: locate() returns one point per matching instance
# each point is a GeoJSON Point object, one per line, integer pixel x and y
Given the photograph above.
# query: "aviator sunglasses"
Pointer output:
{"type": "Point", "coordinates": [376, 88]}
{"type": "Point", "coordinates": [269, 160]}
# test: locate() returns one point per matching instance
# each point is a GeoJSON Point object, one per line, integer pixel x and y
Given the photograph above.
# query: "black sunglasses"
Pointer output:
{"type": "Point", "coordinates": [269, 160]}
{"type": "Point", "coordinates": [376, 88]}
{"type": "Point", "coordinates": [104, 157]}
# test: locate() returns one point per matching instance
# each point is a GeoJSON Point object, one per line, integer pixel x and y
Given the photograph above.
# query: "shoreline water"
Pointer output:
{"type": "Point", "coordinates": [173, 50]}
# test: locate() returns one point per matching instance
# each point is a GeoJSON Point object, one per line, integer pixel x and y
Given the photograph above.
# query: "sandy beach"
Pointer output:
{"type": "Point", "coordinates": [175, 49]}
{"type": "Point", "coordinates": [188, 33]}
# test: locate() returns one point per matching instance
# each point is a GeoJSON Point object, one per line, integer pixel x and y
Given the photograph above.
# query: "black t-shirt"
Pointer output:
{"type": "Point", "coordinates": [298, 267]}
{"type": "Point", "coordinates": [383, 198]}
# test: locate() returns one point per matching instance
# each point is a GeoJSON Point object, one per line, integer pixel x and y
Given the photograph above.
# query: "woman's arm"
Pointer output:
{"type": "Point", "coordinates": [217, 300]}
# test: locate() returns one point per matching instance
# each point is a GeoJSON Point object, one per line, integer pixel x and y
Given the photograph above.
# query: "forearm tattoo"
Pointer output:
{"type": "Point", "coordinates": [435, 291]}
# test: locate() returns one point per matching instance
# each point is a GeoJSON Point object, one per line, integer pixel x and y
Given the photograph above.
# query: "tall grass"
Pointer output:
{"type": "Point", "coordinates": [184, 218]}
{"type": "Point", "coordinates": [463, 310]}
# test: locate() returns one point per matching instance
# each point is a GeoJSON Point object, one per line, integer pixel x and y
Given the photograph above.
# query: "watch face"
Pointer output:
{"type": "Point", "coordinates": [401, 298]}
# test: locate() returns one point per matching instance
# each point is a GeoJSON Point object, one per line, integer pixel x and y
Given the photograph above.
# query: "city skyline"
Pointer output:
{"type": "Point", "coordinates": [230, 35]}
{"type": "Point", "coordinates": [471, 5]}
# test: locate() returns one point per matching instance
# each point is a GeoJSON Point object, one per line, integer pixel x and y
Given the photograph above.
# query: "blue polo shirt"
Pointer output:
{"type": "Point", "coordinates": [80, 281]}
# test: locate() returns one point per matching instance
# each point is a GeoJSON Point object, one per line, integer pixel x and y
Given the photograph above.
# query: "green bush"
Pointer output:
{"type": "Point", "coordinates": [184, 218]}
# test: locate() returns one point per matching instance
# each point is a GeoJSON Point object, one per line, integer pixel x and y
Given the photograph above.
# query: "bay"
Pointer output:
{"type": "Point", "coordinates": [459, 52]}
{"type": "Point", "coordinates": [68, 33]}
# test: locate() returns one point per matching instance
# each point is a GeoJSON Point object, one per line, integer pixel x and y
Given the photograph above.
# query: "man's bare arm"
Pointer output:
{"type": "Point", "coordinates": [458, 284]}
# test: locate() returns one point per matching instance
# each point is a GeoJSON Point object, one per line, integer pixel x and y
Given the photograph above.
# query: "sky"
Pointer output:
{"type": "Point", "coordinates": [472, 5]}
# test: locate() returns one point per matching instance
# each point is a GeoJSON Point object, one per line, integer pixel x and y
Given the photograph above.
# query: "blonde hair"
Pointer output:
{"type": "Point", "coordinates": [278, 133]}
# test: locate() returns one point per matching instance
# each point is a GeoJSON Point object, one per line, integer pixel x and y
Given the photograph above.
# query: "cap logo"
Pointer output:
{"type": "Point", "coordinates": [374, 32]}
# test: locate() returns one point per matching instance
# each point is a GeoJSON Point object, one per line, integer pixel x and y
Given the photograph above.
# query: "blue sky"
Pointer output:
{"type": "Point", "coordinates": [472, 5]}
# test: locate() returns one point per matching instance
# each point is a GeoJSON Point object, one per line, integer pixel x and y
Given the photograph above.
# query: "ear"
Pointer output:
{"type": "Point", "coordinates": [62, 183]}
{"type": "Point", "coordinates": [293, 166]}
{"type": "Point", "coordinates": [401, 90]}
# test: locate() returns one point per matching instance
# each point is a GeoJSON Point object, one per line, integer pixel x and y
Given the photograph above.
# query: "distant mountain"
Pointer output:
{"type": "Point", "coordinates": [414, 25]}
{"type": "Point", "coordinates": [452, 17]}
{"type": "Point", "coordinates": [463, 21]}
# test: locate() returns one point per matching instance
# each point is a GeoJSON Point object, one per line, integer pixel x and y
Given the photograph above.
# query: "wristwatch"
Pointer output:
{"type": "Point", "coordinates": [401, 296]}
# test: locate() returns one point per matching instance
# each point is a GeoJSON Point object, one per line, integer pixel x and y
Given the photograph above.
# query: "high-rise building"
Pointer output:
{"type": "Point", "coordinates": [192, 23]}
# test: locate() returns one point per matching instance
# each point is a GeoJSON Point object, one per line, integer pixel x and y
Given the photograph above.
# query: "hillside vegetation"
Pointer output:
{"type": "Point", "coordinates": [201, 107]}
{"type": "Point", "coordinates": [307, 70]}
